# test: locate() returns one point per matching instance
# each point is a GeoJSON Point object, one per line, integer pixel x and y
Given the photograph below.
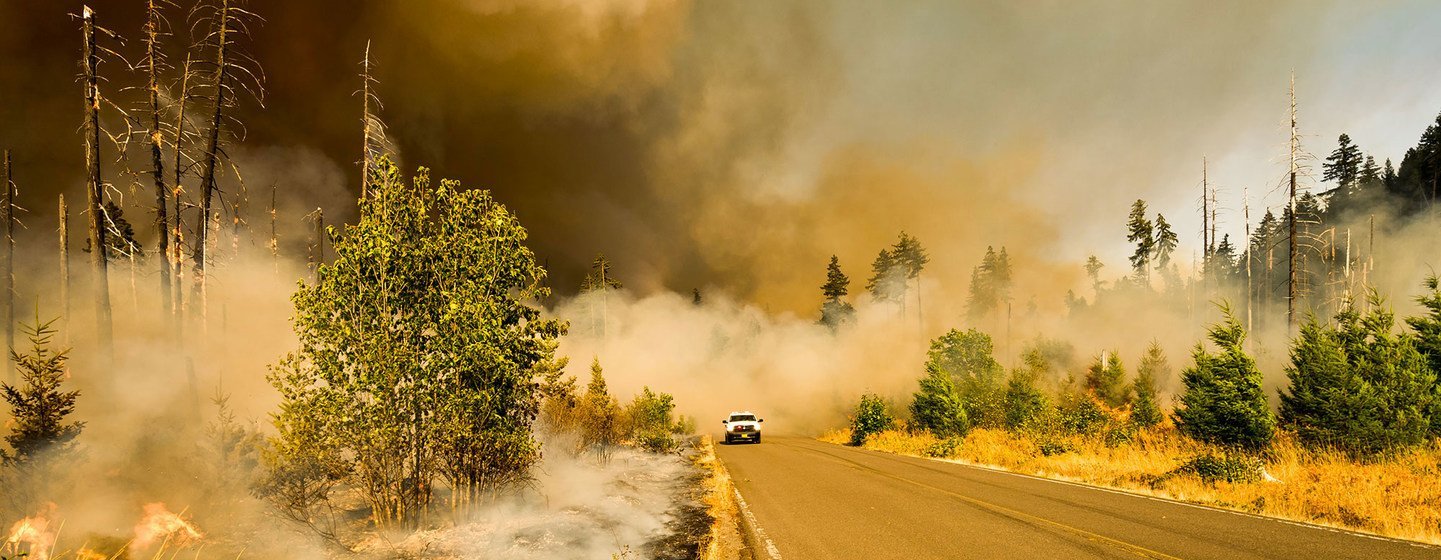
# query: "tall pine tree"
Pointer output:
{"type": "Point", "coordinates": [1223, 402]}
{"type": "Point", "coordinates": [1141, 232]}
{"type": "Point", "coordinates": [835, 311]}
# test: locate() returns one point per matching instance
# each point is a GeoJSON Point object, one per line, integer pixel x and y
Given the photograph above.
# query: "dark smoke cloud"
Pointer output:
{"type": "Point", "coordinates": [735, 146]}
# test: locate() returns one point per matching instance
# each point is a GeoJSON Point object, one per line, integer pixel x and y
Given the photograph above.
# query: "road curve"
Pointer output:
{"type": "Point", "coordinates": [815, 501]}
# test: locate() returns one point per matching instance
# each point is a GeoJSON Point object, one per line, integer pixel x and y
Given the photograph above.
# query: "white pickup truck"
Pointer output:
{"type": "Point", "coordinates": [742, 426]}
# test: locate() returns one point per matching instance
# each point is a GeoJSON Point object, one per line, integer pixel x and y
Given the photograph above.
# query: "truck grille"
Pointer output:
{"type": "Point", "coordinates": [744, 428]}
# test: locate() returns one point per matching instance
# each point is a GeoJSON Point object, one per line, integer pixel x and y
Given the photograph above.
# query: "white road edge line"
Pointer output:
{"type": "Point", "coordinates": [1303, 524]}
{"type": "Point", "coordinates": [751, 519]}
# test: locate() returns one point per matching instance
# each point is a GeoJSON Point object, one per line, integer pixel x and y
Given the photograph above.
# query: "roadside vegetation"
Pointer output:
{"type": "Point", "coordinates": [1354, 443]}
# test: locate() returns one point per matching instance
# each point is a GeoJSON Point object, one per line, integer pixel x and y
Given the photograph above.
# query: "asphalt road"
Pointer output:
{"type": "Point", "coordinates": [815, 501]}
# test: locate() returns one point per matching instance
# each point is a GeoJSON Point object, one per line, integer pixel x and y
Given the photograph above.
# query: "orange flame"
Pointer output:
{"type": "Point", "coordinates": [160, 525]}
{"type": "Point", "coordinates": [34, 534]}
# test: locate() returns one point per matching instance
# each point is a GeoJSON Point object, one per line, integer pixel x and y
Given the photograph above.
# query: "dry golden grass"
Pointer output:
{"type": "Point", "coordinates": [720, 503]}
{"type": "Point", "coordinates": [1398, 497]}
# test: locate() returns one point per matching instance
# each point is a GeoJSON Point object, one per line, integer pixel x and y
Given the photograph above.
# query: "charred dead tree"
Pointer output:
{"type": "Point", "coordinates": [374, 143]}
{"type": "Point", "coordinates": [317, 247]}
{"type": "Point", "coordinates": [7, 284]}
{"type": "Point", "coordinates": [177, 235]}
{"type": "Point", "coordinates": [64, 214]}
{"type": "Point", "coordinates": [274, 243]}
{"type": "Point", "coordinates": [152, 64]}
{"type": "Point", "coordinates": [221, 37]}
{"type": "Point", "coordinates": [94, 187]}
{"type": "Point", "coordinates": [1293, 256]}
{"type": "Point", "coordinates": [229, 69]}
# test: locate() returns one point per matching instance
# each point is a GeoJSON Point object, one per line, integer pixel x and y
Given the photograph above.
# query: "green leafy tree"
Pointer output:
{"type": "Point", "coordinates": [937, 406]}
{"type": "Point", "coordinates": [652, 421]}
{"type": "Point", "coordinates": [1146, 409]}
{"type": "Point", "coordinates": [1223, 402]}
{"type": "Point", "coordinates": [1024, 401]}
{"type": "Point", "coordinates": [419, 349]}
{"type": "Point", "coordinates": [872, 416]}
{"type": "Point", "coordinates": [967, 358]}
{"type": "Point", "coordinates": [1142, 233]}
{"type": "Point", "coordinates": [1428, 341]}
{"type": "Point", "coordinates": [836, 311]}
{"type": "Point", "coordinates": [1358, 386]}
{"type": "Point", "coordinates": [1106, 378]}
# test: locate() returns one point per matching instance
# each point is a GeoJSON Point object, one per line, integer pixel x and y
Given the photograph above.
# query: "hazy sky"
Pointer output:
{"type": "Point", "coordinates": [737, 145]}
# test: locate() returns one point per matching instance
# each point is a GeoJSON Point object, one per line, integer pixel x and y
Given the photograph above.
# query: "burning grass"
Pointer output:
{"type": "Point", "coordinates": [1395, 497]}
{"type": "Point", "coordinates": [160, 534]}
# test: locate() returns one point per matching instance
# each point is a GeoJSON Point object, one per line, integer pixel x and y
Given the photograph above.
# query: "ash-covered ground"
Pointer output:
{"type": "Point", "coordinates": [635, 505]}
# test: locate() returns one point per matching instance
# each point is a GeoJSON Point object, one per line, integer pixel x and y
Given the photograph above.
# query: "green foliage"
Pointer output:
{"type": "Point", "coordinates": [836, 311]}
{"type": "Point", "coordinates": [599, 416]}
{"type": "Point", "coordinates": [600, 277]}
{"type": "Point", "coordinates": [1233, 468]}
{"type": "Point", "coordinates": [966, 357]}
{"type": "Point", "coordinates": [888, 278]}
{"type": "Point", "coordinates": [945, 448]}
{"type": "Point", "coordinates": [909, 256]}
{"type": "Point", "coordinates": [1051, 446]}
{"type": "Point", "coordinates": [1140, 231]}
{"type": "Point", "coordinates": [937, 406]}
{"type": "Point", "coordinates": [418, 351]}
{"type": "Point", "coordinates": [872, 416]}
{"type": "Point", "coordinates": [1344, 164]}
{"type": "Point", "coordinates": [1117, 434]}
{"type": "Point", "coordinates": [1145, 409]}
{"type": "Point", "coordinates": [1166, 241]}
{"type": "Point", "coordinates": [652, 421]}
{"type": "Point", "coordinates": [1428, 341]}
{"type": "Point", "coordinates": [1223, 402]}
{"type": "Point", "coordinates": [1358, 386]}
{"type": "Point", "coordinates": [1024, 402]}
{"type": "Point", "coordinates": [990, 284]}
{"type": "Point", "coordinates": [1080, 414]}
{"type": "Point", "coordinates": [1093, 271]}
{"type": "Point", "coordinates": [39, 408]}
{"type": "Point", "coordinates": [1107, 380]}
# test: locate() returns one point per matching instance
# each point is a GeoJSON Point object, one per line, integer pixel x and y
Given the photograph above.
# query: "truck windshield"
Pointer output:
{"type": "Point", "coordinates": [743, 418]}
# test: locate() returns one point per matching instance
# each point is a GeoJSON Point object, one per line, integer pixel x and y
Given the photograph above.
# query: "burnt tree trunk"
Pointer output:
{"type": "Point", "coordinates": [162, 222]}
{"type": "Point", "coordinates": [7, 284]}
{"type": "Point", "coordinates": [212, 147]}
{"type": "Point", "coordinates": [177, 235]}
{"type": "Point", "coordinates": [98, 255]}
{"type": "Point", "coordinates": [64, 268]}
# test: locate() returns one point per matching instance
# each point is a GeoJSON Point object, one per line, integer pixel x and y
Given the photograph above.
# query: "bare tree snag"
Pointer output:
{"type": "Point", "coordinates": [1291, 221]}
{"type": "Point", "coordinates": [374, 143]}
{"type": "Point", "coordinates": [177, 233]}
{"type": "Point", "coordinates": [7, 284]}
{"type": "Point", "coordinates": [274, 237]}
{"type": "Point", "coordinates": [212, 139]}
{"type": "Point", "coordinates": [94, 191]}
{"type": "Point", "coordinates": [162, 222]}
{"type": "Point", "coordinates": [64, 268]}
{"type": "Point", "coordinates": [317, 249]}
